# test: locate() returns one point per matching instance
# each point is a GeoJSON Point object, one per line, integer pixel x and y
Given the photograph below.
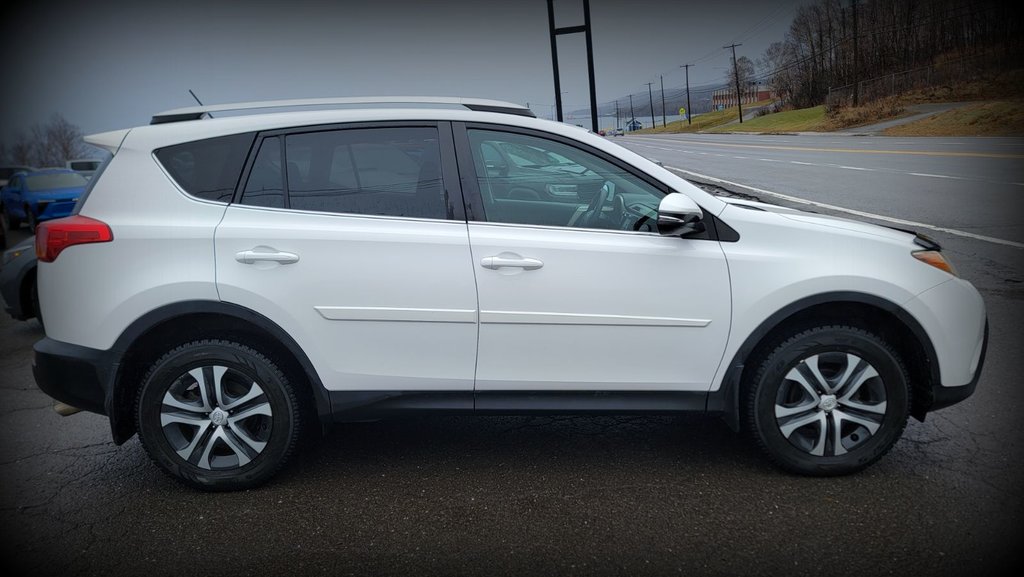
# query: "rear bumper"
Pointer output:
{"type": "Point", "coordinates": [72, 374]}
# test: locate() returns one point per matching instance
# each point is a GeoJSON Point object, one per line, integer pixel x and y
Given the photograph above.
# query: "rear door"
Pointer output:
{"type": "Point", "coordinates": [346, 237]}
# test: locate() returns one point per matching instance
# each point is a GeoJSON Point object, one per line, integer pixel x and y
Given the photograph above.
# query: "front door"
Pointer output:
{"type": "Point", "coordinates": [579, 292]}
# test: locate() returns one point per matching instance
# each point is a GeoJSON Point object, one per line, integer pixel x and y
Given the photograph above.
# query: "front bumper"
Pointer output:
{"type": "Point", "coordinates": [943, 397]}
{"type": "Point", "coordinates": [72, 374]}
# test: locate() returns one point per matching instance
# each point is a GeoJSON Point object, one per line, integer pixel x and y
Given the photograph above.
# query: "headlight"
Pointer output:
{"type": "Point", "coordinates": [936, 259]}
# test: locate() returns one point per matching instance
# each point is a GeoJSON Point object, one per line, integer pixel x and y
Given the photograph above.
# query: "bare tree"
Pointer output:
{"type": "Point", "coordinates": [23, 152]}
{"type": "Point", "coordinates": [745, 68]}
{"type": "Point", "coordinates": [57, 141]}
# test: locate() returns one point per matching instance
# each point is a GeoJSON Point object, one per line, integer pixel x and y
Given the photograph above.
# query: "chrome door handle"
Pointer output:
{"type": "Point", "coordinates": [254, 256]}
{"type": "Point", "coordinates": [510, 261]}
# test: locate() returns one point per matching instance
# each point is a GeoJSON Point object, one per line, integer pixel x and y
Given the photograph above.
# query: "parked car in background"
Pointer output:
{"type": "Point", "coordinates": [18, 281]}
{"type": "Point", "coordinates": [84, 166]}
{"type": "Point", "coordinates": [33, 197]}
{"type": "Point", "coordinates": [6, 172]}
{"type": "Point", "coordinates": [616, 132]}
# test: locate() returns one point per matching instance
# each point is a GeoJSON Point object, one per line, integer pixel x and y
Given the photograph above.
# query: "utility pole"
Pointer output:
{"type": "Point", "coordinates": [555, 32]}
{"type": "Point", "coordinates": [689, 111]}
{"type": "Point", "coordinates": [651, 96]}
{"type": "Point", "coordinates": [616, 114]}
{"type": "Point", "coordinates": [662, 78]}
{"type": "Point", "coordinates": [856, 56]}
{"type": "Point", "coordinates": [736, 73]}
{"type": "Point", "coordinates": [632, 115]}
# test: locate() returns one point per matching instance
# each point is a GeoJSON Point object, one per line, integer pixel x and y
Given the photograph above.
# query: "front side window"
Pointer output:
{"type": "Point", "coordinates": [531, 180]}
{"type": "Point", "coordinates": [373, 171]}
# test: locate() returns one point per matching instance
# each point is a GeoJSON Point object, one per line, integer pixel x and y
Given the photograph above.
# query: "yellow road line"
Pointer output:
{"type": "Point", "coordinates": [850, 150]}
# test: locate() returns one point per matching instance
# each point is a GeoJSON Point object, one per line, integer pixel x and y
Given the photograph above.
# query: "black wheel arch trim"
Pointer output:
{"type": "Point", "coordinates": [726, 400]}
{"type": "Point", "coordinates": [123, 431]}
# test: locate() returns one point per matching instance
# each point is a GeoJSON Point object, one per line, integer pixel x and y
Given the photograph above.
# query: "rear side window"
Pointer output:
{"type": "Point", "coordinates": [375, 171]}
{"type": "Point", "coordinates": [207, 169]}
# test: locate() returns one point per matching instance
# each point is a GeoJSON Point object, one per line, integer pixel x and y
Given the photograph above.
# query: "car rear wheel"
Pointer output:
{"type": "Point", "coordinates": [218, 415]}
{"type": "Point", "coordinates": [830, 400]}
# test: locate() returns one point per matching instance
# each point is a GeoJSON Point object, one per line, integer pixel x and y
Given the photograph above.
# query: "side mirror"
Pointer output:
{"type": "Point", "coordinates": [679, 215]}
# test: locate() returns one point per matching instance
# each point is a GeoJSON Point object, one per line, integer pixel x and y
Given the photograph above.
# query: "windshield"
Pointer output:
{"type": "Point", "coordinates": [52, 181]}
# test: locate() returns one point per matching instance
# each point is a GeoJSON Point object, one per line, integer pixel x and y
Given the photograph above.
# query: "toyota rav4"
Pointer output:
{"type": "Point", "coordinates": [228, 284]}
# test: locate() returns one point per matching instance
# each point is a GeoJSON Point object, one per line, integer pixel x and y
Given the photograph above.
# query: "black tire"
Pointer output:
{"type": "Point", "coordinates": [786, 418]}
{"type": "Point", "coordinates": [34, 302]}
{"type": "Point", "coordinates": [236, 455]}
{"type": "Point", "coordinates": [31, 220]}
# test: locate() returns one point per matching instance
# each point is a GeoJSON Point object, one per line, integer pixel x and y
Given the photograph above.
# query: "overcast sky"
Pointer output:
{"type": "Point", "coordinates": [107, 65]}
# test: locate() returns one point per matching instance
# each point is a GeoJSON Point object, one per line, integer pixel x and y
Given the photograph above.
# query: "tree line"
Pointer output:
{"type": "Point", "coordinates": [821, 51]}
{"type": "Point", "coordinates": [51, 143]}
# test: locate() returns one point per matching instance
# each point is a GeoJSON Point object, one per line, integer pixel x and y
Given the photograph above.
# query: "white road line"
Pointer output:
{"type": "Point", "coordinates": [935, 175]}
{"type": "Point", "coordinates": [740, 157]}
{"type": "Point", "coordinates": [854, 168]}
{"type": "Point", "coordinates": [880, 217]}
{"type": "Point", "coordinates": [804, 163]}
{"type": "Point", "coordinates": [770, 160]}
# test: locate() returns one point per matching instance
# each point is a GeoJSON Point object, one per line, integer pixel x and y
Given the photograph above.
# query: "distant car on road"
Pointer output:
{"type": "Point", "coordinates": [616, 132]}
{"type": "Point", "coordinates": [33, 197]}
{"type": "Point", "coordinates": [18, 281]}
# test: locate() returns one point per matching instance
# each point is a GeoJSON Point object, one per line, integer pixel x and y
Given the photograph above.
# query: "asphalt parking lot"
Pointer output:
{"type": "Point", "coordinates": [540, 496]}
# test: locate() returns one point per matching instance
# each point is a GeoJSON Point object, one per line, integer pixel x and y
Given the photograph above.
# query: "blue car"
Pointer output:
{"type": "Point", "coordinates": [40, 195]}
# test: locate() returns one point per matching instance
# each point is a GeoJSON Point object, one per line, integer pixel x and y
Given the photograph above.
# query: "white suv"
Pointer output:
{"type": "Point", "coordinates": [229, 283]}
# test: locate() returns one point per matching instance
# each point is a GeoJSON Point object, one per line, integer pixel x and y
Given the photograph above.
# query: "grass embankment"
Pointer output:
{"type": "Point", "coordinates": [995, 118]}
{"type": "Point", "coordinates": [805, 119]}
{"type": "Point", "coordinates": [701, 122]}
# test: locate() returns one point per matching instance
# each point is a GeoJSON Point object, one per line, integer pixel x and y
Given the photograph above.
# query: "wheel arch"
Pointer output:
{"type": "Point", "coordinates": [878, 315]}
{"type": "Point", "coordinates": [162, 329]}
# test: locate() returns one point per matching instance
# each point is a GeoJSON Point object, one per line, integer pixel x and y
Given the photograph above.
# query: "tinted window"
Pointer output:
{"type": "Point", "coordinates": [84, 164]}
{"type": "Point", "coordinates": [531, 180]}
{"type": "Point", "coordinates": [208, 169]}
{"type": "Point", "coordinates": [379, 171]}
{"type": "Point", "coordinates": [265, 186]}
{"type": "Point", "coordinates": [53, 181]}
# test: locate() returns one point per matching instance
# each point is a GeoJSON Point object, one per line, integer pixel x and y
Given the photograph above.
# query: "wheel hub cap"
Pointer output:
{"type": "Point", "coordinates": [830, 403]}
{"type": "Point", "coordinates": [219, 417]}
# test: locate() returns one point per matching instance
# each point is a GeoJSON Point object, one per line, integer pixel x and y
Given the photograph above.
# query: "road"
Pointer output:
{"type": "Point", "coordinates": [972, 185]}
{"type": "Point", "coordinates": [565, 496]}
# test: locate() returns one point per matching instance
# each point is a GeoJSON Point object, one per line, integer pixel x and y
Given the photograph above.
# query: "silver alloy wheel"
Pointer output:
{"type": "Point", "coordinates": [216, 418]}
{"type": "Point", "coordinates": [830, 403]}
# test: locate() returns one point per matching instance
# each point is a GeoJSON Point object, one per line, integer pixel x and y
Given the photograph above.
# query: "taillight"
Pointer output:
{"type": "Point", "coordinates": [53, 236]}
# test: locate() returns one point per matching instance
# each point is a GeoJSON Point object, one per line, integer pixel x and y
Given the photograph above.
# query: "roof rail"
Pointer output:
{"type": "Point", "coordinates": [478, 104]}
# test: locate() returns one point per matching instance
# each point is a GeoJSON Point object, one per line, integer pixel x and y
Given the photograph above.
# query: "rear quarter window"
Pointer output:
{"type": "Point", "coordinates": [208, 169]}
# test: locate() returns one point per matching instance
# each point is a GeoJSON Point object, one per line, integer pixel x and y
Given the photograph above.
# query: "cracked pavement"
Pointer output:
{"type": "Point", "coordinates": [530, 495]}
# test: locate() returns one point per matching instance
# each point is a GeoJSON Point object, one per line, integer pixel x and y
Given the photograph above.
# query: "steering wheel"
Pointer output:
{"type": "Point", "coordinates": [604, 197]}
{"type": "Point", "coordinates": [639, 210]}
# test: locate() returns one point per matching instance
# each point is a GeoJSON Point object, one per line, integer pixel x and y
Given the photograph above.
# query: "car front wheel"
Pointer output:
{"type": "Point", "coordinates": [218, 415]}
{"type": "Point", "coordinates": [830, 400]}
